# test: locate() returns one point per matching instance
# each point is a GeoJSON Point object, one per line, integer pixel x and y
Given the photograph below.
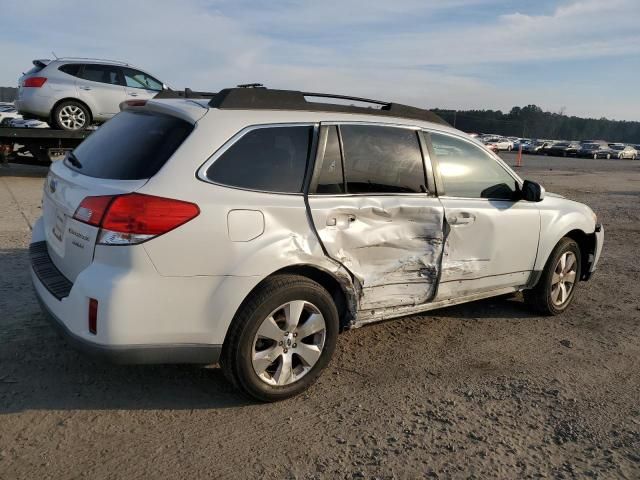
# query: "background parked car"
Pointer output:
{"type": "Point", "coordinates": [594, 150]}
{"type": "Point", "coordinates": [623, 151]}
{"type": "Point", "coordinates": [562, 149]}
{"type": "Point", "coordinates": [500, 143]}
{"type": "Point", "coordinates": [534, 146]}
{"type": "Point", "coordinates": [71, 93]}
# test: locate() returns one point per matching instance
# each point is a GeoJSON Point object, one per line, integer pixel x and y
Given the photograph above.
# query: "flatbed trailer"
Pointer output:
{"type": "Point", "coordinates": [44, 144]}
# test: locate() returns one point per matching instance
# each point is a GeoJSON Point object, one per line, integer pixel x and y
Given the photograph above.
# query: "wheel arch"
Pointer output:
{"type": "Point", "coordinates": [339, 287]}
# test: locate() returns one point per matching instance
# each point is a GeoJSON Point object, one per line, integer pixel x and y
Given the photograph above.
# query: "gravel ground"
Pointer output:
{"type": "Point", "coordinates": [483, 390]}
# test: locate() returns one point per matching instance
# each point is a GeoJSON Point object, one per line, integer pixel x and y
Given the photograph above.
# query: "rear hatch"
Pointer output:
{"type": "Point", "coordinates": [116, 159]}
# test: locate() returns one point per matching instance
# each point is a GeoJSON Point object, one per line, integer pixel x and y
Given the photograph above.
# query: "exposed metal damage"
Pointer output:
{"type": "Point", "coordinates": [393, 254]}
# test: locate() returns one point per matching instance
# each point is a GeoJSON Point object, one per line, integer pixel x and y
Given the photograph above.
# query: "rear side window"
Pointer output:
{"type": "Point", "coordinates": [380, 159]}
{"type": "Point", "coordinates": [102, 74]}
{"type": "Point", "coordinates": [272, 159]}
{"type": "Point", "coordinates": [71, 69]}
{"type": "Point", "coordinates": [130, 146]}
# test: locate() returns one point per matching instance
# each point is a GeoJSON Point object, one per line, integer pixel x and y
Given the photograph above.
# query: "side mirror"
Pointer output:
{"type": "Point", "coordinates": [532, 191]}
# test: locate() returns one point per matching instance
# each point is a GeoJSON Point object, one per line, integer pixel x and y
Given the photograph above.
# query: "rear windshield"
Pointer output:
{"type": "Point", "coordinates": [130, 146]}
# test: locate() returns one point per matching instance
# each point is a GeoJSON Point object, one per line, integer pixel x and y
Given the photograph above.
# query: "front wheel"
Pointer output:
{"type": "Point", "coordinates": [555, 289]}
{"type": "Point", "coordinates": [281, 339]}
{"type": "Point", "coordinates": [608, 156]}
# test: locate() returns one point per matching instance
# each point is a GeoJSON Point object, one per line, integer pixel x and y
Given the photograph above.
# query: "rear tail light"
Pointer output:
{"type": "Point", "coordinates": [134, 218]}
{"type": "Point", "coordinates": [93, 316]}
{"type": "Point", "coordinates": [35, 82]}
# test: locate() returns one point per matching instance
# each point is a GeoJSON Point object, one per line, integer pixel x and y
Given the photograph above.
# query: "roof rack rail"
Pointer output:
{"type": "Point", "coordinates": [186, 93]}
{"type": "Point", "coordinates": [261, 98]}
{"type": "Point", "coordinates": [118, 62]}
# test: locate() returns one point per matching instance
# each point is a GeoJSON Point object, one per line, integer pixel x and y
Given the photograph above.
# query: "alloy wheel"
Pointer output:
{"type": "Point", "coordinates": [564, 278]}
{"type": "Point", "coordinates": [288, 343]}
{"type": "Point", "coordinates": [72, 117]}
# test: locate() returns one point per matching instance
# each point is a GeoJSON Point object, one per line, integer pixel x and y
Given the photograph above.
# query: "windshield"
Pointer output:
{"type": "Point", "coordinates": [617, 147]}
{"type": "Point", "coordinates": [130, 146]}
{"type": "Point", "coordinates": [590, 146]}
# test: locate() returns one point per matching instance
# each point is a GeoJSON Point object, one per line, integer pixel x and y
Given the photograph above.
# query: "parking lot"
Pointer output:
{"type": "Point", "coordinates": [482, 390]}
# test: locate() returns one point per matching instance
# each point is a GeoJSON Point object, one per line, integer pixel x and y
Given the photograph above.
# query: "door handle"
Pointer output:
{"type": "Point", "coordinates": [341, 221]}
{"type": "Point", "coordinates": [461, 218]}
{"type": "Point", "coordinates": [132, 94]}
{"type": "Point", "coordinates": [83, 87]}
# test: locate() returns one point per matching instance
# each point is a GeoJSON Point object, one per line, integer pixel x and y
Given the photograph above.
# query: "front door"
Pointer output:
{"type": "Point", "coordinates": [374, 214]}
{"type": "Point", "coordinates": [491, 238]}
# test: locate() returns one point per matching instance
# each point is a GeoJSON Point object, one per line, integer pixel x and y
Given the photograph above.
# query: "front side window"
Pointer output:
{"type": "Point", "coordinates": [381, 159]}
{"type": "Point", "coordinates": [102, 74]}
{"type": "Point", "coordinates": [468, 171]}
{"type": "Point", "coordinates": [137, 79]}
{"type": "Point", "coordinates": [272, 159]}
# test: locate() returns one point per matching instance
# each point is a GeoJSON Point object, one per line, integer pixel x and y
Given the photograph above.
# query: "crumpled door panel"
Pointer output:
{"type": "Point", "coordinates": [392, 245]}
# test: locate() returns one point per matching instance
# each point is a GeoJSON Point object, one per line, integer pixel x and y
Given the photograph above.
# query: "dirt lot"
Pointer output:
{"type": "Point", "coordinates": [483, 390]}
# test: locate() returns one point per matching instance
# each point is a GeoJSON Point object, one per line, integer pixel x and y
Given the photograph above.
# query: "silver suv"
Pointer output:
{"type": "Point", "coordinates": [72, 93]}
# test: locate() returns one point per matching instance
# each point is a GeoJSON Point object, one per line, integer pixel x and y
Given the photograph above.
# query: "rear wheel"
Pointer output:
{"type": "Point", "coordinates": [608, 156]}
{"type": "Point", "coordinates": [281, 339]}
{"type": "Point", "coordinates": [71, 115]}
{"type": "Point", "coordinates": [556, 287]}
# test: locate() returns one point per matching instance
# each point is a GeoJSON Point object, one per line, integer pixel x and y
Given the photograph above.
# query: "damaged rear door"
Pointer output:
{"type": "Point", "coordinates": [372, 207]}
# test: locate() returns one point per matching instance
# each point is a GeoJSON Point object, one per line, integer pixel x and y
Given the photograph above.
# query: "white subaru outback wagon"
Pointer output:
{"type": "Point", "coordinates": [249, 228]}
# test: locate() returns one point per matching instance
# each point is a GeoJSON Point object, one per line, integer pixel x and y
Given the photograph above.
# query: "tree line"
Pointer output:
{"type": "Point", "coordinates": [532, 122]}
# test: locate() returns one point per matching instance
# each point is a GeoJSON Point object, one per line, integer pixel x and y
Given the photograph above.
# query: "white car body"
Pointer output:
{"type": "Point", "coordinates": [173, 297]}
{"type": "Point", "coordinates": [501, 143]}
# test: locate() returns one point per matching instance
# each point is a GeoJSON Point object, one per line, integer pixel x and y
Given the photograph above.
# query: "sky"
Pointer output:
{"type": "Point", "coordinates": [579, 57]}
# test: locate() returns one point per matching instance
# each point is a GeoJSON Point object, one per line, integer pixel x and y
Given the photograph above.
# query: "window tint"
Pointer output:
{"type": "Point", "coordinates": [131, 146]}
{"type": "Point", "coordinates": [273, 159]}
{"type": "Point", "coordinates": [382, 160]}
{"type": "Point", "coordinates": [468, 171]}
{"type": "Point", "coordinates": [101, 73]}
{"type": "Point", "coordinates": [71, 69]}
{"type": "Point", "coordinates": [137, 79]}
{"type": "Point", "coordinates": [330, 177]}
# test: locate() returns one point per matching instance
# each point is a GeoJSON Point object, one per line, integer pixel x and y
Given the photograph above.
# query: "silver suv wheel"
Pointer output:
{"type": "Point", "coordinates": [72, 117]}
{"type": "Point", "coordinates": [288, 343]}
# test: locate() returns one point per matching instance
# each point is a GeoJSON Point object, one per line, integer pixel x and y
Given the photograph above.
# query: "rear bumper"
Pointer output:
{"type": "Point", "coordinates": [140, 319]}
{"type": "Point", "coordinates": [135, 354]}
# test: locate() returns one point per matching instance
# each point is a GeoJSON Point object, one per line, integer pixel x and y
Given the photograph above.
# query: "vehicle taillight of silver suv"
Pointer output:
{"type": "Point", "coordinates": [73, 93]}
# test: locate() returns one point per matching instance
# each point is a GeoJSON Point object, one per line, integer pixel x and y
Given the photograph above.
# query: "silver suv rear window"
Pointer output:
{"type": "Point", "coordinates": [130, 146]}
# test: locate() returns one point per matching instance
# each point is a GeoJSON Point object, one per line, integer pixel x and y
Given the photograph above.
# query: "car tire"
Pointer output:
{"type": "Point", "coordinates": [595, 156]}
{"type": "Point", "coordinates": [553, 293]}
{"type": "Point", "coordinates": [71, 116]}
{"type": "Point", "coordinates": [246, 351]}
{"type": "Point", "coordinates": [608, 156]}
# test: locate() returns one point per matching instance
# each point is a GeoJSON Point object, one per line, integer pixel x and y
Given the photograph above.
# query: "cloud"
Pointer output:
{"type": "Point", "coordinates": [423, 52]}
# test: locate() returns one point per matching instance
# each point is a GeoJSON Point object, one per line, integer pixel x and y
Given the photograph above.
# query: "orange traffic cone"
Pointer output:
{"type": "Point", "coordinates": [519, 157]}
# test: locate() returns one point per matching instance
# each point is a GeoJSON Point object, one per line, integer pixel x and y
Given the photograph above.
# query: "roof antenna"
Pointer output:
{"type": "Point", "coordinates": [54, 54]}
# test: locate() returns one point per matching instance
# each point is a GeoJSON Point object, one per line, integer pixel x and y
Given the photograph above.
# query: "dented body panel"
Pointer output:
{"type": "Point", "coordinates": [392, 245]}
{"type": "Point", "coordinates": [489, 244]}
